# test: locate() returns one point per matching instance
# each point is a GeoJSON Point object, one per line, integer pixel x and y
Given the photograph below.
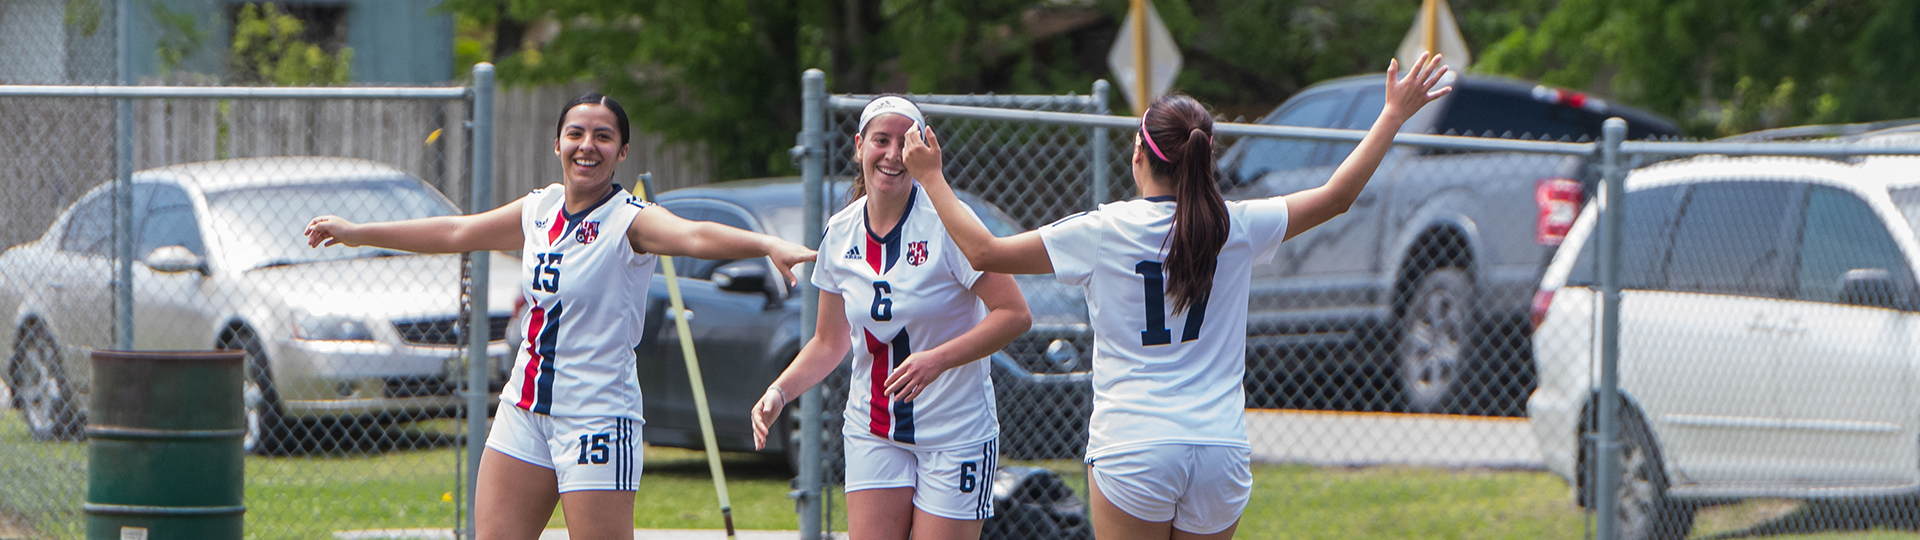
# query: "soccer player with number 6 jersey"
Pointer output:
{"type": "Point", "coordinates": [1167, 279]}
{"type": "Point", "coordinates": [568, 428]}
{"type": "Point", "coordinates": [920, 427]}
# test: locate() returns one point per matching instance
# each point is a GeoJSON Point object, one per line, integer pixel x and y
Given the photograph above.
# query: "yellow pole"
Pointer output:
{"type": "Point", "coordinates": [1432, 9]}
{"type": "Point", "coordinates": [1141, 60]}
{"type": "Point", "coordinates": [680, 314]}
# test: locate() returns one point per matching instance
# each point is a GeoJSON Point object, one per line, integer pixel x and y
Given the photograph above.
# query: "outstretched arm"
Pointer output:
{"type": "Point", "coordinates": [494, 230]}
{"type": "Point", "coordinates": [1022, 253]}
{"type": "Point", "coordinates": [821, 355]}
{"type": "Point", "coordinates": [1405, 96]}
{"type": "Point", "coordinates": [656, 230]}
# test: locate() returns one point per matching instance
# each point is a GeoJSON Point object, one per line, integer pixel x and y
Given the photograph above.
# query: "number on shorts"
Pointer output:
{"type": "Point", "coordinates": [967, 479]}
{"type": "Point", "coordinates": [599, 452]}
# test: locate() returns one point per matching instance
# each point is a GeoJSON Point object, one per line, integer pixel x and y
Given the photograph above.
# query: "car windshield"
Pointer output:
{"type": "Point", "coordinates": [264, 227]}
{"type": "Point", "coordinates": [1908, 201]}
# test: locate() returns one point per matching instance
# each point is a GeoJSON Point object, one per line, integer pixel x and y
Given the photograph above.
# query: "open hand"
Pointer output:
{"type": "Point", "coordinates": [923, 155]}
{"type": "Point", "coordinates": [913, 376]}
{"type": "Point", "coordinates": [765, 413]}
{"type": "Point", "coordinates": [1407, 94]}
{"type": "Point", "coordinates": [328, 231]}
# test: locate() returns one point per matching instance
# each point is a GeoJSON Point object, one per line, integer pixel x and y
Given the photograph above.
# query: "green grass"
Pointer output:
{"type": "Point", "coordinates": [375, 487]}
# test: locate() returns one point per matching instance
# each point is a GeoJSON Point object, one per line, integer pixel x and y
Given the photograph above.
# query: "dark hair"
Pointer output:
{"type": "Point", "coordinates": [858, 188]}
{"type": "Point", "coordinates": [593, 98]}
{"type": "Point", "coordinates": [1182, 129]}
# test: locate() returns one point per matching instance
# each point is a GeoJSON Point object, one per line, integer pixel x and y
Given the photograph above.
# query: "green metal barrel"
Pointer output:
{"type": "Point", "coordinates": [164, 446]}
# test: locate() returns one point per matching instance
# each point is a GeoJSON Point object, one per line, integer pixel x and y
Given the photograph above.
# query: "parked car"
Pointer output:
{"type": "Point", "coordinates": [1429, 275]}
{"type": "Point", "coordinates": [355, 333]}
{"type": "Point", "coordinates": [746, 328]}
{"type": "Point", "coordinates": [1767, 323]}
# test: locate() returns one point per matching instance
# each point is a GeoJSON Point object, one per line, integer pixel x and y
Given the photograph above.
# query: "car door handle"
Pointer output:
{"type": "Point", "coordinates": [1760, 324]}
{"type": "Point", "coordinates": [1793, 326]}
{"type": "Point", "coordinates": [1365, 200]}
{"type": "Point", "coordinates": [55, 285]}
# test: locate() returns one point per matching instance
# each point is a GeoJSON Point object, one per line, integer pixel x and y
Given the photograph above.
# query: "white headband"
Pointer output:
{"type": "Point", "coordinates": [891, 105]}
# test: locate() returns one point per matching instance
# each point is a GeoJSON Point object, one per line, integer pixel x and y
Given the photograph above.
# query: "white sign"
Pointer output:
{"type": "Point", "coordinates": [1163, 58]}
{"type": "Point", "coordinates": [1434, 29]}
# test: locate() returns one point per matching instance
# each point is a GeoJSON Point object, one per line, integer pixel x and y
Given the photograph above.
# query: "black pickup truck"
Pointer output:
{"type": "Point", "coordinates": [1429, 279]}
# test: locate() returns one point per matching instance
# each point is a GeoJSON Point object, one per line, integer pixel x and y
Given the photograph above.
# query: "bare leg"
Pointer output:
{"type": "Point", "coordinates": [598, 514]}
{"type": "Point", "coordinates": [513, 499]}
{"type": "Point", "coordinates": [931, 527]}
{"type": "Point", "coordinates": [882, 514]}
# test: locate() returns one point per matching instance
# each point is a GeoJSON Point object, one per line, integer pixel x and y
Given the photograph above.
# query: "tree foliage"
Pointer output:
{"type": "Point", "coordinates": [1724, 67]}
{"type": "Point", "coordinates": [269, 47]}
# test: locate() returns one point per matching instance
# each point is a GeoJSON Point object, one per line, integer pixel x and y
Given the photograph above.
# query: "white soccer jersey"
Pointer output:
{"type": "Point", "coordinates": [586, 294]}
{"type": "Point", "coordinates": [908, 291]}
{"type": "Point", "coordinates": [1158, 376]}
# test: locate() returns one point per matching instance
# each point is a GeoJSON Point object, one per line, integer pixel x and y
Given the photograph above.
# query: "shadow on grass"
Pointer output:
{"type": "Point", "coordinates": [1836, 516]}
{"type": "Point", "coordinates": [693, 464]}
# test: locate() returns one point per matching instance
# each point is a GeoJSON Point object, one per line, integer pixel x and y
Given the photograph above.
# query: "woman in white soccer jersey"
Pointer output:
{"type": "Point", "coordinates": [1167, 279]}
{"type": "Point", "coordinates": [568, 428]}
{"type": "Point", "coordinates": [920, 425]}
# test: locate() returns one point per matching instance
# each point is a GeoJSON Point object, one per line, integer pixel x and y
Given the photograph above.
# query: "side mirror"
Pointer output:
{"type": "Point", "coordinates": [1871, 287]}
{"type": "Point", "coordinates": [176, 259]}
{"type": "Point", "coordinates": [749, 276]}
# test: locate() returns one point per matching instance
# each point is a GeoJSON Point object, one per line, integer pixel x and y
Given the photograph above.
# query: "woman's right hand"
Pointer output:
{"type": "Point", "coordinates": [330, 230]}
{"type": "Point", "coordinates": [765, 413]}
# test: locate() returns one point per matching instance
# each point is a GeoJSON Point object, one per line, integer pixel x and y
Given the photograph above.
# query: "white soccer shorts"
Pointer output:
{"type": "Point", "coordinates": [953, 484]}
{"type": "Point", "coordinates": [585, 453]}
{"type": "Point", "coordinates": [1201, 489]}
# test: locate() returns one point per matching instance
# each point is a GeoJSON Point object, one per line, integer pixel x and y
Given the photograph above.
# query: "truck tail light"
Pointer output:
{"type": "Point", "coordinates": [1541, 301]}
{"type": "Point", "coordinates": [1559, 202]}
{"type": "Point", "coordinates": [1570, 99]}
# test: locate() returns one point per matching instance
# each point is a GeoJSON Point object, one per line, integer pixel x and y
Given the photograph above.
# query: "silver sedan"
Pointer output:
{"type": "Point", "coordinates": [336, 333]}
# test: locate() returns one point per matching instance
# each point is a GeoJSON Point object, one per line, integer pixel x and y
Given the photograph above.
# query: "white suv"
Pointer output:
{"type": "Point", "coordinates": [1769, 339]}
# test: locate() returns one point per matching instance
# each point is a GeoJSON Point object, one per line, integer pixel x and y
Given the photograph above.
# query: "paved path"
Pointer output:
{"type": "Point", "coordinates": [561, 534]}
{"type": "Point", "coordinates": [1366, 439]}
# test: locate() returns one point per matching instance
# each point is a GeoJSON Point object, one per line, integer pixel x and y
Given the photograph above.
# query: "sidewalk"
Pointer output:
{"type": "Point", "coordinates": [561, 534]}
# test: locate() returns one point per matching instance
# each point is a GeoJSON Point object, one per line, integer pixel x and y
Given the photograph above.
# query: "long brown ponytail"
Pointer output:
{"type": "Point", "coordinates": [1182, 130]}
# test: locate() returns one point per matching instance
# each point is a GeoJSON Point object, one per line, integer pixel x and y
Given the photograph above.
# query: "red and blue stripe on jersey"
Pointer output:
{"type": "Point", "coordinates": [896, 417]}
{"type": "Point", "coordinates": [543, 335]}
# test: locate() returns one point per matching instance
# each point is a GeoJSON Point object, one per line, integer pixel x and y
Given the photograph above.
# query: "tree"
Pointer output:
{"type": "Point", "coordinates": [1728, 67]}
{"type": "Point", "coordinates": [269, 48]}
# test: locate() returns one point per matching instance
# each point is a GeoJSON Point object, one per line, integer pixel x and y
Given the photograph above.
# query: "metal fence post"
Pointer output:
{"type": "Point", "coordinates": [1607, 449]}
{"type": "Point", "coordinates": [1098, 192]}
{"type": "Point", "coordinates": [123, 186]}
{"type": "Point", "coordinates": [813, 168]}
{"type": "Point", "coordinates": [479, 316]}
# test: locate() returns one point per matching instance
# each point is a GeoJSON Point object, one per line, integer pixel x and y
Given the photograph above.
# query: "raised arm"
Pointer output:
{"type": "Point", "coordinates": [1405, 96]}
{"type": "Point", "coordinates": [1022, 253]}
{"type": "Point", "coordinates": [494, 230]}
{"type": "Point", "coordinates": [656, 230]}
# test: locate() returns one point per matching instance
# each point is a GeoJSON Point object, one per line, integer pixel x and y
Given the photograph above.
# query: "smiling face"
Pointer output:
{"type": "Point", "coordinates": [880, 152]}
{"type": "Point", "coordinates": [589, 146]}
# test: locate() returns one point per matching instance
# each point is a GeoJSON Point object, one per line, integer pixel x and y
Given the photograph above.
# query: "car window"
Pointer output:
{"type": "Point", "coordinates": [1264, 155]}
{"type": "Point", "coordinates": [1729, 240]}
{"type": "Point", "coordinates": [1842, 233]}
{"type": "Point", "coordinates": [690, 211]}
{"type": "Point", "coordinates": [689, 267]}
{"type": "Point", "coordinates": [90, 229]}
{"type": "Point", "coordinates": [168, 221]}
{"type": "Point", "coordinates": [1496, 114]}
{"type": "Point", "coordinates": [1646, 233]}
{"type": "Point", "coordinates": [260, 226]}
{"type": "Point", "coordinates": [1366, 109]}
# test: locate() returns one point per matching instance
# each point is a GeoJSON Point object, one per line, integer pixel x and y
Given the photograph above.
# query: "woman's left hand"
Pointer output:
{"type": "Point", "coordinates": [912, 376]}
{"type": "Point", "coordinates": [923, 155]}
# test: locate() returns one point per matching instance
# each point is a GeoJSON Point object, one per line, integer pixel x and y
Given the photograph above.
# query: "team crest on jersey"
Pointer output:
{"type": "Point", "coordinates": [917, 253]}
{"type": "Point", "coordinates": [587, 232]}
{"type": "Point", "coordinates": [853, 253]}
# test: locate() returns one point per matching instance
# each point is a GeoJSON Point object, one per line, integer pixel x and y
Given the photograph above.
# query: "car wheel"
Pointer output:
{"type": "Point", "coordinates": [40, 387]}
{"type": "Point", "coordinates": [1431, 351]}
{"type": "Point", "coordinates": [267, 430]}
{"type": "Point", "coordinates": [1643, 509]}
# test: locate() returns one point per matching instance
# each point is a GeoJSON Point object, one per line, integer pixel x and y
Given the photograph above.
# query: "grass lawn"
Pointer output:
{"type": "Point", "coordinates": [370, 485]}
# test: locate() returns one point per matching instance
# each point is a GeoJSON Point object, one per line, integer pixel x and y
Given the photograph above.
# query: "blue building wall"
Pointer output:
{"type": "Point", "coordinates": [394, 41]}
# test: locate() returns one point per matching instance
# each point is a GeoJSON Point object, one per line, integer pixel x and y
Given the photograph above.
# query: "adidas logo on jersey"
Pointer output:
{"type": "Point", "coordinates": [853, 253]}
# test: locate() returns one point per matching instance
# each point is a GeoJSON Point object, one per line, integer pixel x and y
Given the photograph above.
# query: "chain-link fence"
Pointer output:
{"type": "Point", "coordinates": [1425, 296]}
{"type": "Point", "coordinates": [357, 374]}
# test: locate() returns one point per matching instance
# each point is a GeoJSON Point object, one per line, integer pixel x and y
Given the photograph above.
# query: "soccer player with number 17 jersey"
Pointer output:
{"type": "Point", "coordinates": [1167, 279]}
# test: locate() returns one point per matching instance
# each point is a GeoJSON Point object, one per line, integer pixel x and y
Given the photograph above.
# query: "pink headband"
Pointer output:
{"type": "Point", "coordinates": [1155, 147]}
